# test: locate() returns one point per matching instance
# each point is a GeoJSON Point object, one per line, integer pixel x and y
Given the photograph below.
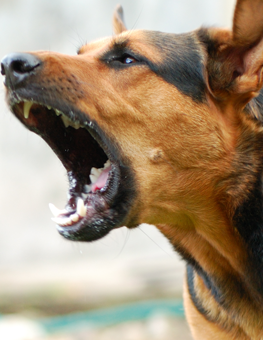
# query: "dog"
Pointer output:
{"type": "Point", "coordinates": [164, 129]}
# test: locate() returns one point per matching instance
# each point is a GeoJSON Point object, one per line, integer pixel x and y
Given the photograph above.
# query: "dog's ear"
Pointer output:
{"type": "Point", "coordinates": [235, 59]}
{"type": "Point", "coordinates": [118, 20]}
{"type": "Point", "coordinates": [248, 22]}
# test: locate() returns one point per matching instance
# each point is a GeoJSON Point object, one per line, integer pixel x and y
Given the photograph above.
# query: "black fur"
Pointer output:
{"type": "Point", "coordinates": [191, 289]}
{"type": "Point", "coordinates": [194, 267]}
{"type": "Point", "coordinates": [181, 61]}
{"type": "Point", "coordinates": [248, 220]}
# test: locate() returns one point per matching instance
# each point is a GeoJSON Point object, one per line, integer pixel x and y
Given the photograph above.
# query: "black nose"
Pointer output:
{"type": "Point", "coordinates": [17, 67]}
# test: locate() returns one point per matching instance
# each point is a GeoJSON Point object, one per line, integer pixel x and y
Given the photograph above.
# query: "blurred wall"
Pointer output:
{"type": "Point", "coordinates": [30, 175]}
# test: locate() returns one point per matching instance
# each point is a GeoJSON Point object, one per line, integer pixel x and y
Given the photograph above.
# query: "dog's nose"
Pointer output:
{"type": "Point", "coordinates": [17, 67]}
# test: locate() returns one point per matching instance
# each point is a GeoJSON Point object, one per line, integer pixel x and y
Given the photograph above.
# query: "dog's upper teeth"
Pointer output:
{"type": "Point", "coordinates": [76, 126]}
{"type": "Point", "coordinates": [27, 107]}
{"type": "Point", "coordinates": [67, 122]}
{"type": "Point", "coordinates": [58, 113]}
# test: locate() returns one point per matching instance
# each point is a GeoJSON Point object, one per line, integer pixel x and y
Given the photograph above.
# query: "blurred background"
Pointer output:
{"type": "Point", "coordinates": [41, 274]}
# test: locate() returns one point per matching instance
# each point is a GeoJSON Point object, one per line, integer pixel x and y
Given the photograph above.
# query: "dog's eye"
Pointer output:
{"type": "Point", "coordinates": [128, 60]}
{"type": "Point", "coordinates": [125, 59]}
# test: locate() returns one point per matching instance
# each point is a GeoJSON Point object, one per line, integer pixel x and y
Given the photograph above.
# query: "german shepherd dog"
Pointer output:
{"type": "Point", "coordinates": [163, 129]}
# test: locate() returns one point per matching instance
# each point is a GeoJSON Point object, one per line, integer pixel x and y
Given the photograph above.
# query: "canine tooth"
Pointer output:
{"type": "Point", "coordinates": [55, 211]}
{"type": "Point", "coordinates": [81, 209]}
{"type": "Point", "coordinates": [49, 107]}
{"type": "Point", "coordinates": [27, 107]}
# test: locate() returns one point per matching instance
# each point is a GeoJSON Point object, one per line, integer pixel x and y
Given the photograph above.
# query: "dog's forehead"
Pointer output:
{"type": "Point", "coordinates": [136, 40]}
{"type": "Point", "coordinates": [152, 44]}
{"type": "Point", "coordinates": [177, 58]}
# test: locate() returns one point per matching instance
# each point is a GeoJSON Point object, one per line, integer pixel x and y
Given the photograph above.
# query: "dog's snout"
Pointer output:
{"type": "Point", "coordinates": [17, 67]}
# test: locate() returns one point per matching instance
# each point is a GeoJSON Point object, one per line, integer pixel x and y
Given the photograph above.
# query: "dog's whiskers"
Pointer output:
{"type": "Point", "coordinates": [140, 228]}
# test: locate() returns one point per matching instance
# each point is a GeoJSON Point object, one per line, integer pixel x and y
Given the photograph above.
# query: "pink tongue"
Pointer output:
{"type": "Point", "coordinates": [101, 181]}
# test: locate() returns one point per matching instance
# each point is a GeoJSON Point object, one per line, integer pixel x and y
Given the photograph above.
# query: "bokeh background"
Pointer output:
{"type": "Point", "coordinates": [41, 274]}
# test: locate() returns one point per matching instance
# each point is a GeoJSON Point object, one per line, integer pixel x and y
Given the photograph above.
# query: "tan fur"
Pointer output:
{"type": "Point", "coordinates": [118, 21]}
{"type": "Point", "coordinates": [176, 176]}
{"type": "Point", "coordinates": [203, 329]}
{"type": "Point", "coordinates": [195, 162]}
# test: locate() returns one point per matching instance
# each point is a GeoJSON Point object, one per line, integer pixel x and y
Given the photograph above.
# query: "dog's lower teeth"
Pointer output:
{"type": "Point", "coordinates": [95, 173]}
{"type": "Point", "coordinates": [68, 220]}
{"type": "Point", "coordinates": [93, 178]}
{"type": "Point", "coordinates": [84, 196]}
{"type": "Point", "coordinates": [107, 164]}
{"type": "Point", "coordinates": [87, 189]}
{"type": "Point", "coordinates": [55, 211]}
{"type": "Point", "coordinates": [74, 217]}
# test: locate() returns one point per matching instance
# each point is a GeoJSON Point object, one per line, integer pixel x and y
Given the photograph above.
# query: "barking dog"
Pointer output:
{"type": "Point", "coordinates": [163, 129]}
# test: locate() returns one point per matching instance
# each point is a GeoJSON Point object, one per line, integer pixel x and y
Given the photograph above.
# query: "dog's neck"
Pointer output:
{"type": "Point", "coordinates": [248, 220]}
{"type": "Point", "coordinates": [225, 252]}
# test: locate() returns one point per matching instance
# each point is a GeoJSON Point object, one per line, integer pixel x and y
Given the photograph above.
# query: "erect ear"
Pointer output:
{"type": "Point", "coordinates": [235, 59]}
{"type": "Point", "coordinates": [118, 21]}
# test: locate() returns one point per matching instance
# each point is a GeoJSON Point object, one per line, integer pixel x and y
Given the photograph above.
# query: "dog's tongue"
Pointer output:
{"type": "Point", "coordinates": [101, 181]}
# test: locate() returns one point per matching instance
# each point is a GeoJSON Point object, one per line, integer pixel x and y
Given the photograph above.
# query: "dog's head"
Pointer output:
{"type": "Point", "coordinates": [144, 122]}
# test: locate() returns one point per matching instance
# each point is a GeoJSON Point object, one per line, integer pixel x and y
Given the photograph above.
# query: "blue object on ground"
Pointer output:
{"type": "Point", "coordinates": [111, 316]}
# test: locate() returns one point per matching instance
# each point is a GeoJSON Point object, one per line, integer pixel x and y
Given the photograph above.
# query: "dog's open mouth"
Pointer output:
{"type": "Point", "coordinates": [98, 199]}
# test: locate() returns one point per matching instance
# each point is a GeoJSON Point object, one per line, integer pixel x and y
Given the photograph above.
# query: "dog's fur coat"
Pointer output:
{"type": "Point", "coordinates": [180, 117]}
